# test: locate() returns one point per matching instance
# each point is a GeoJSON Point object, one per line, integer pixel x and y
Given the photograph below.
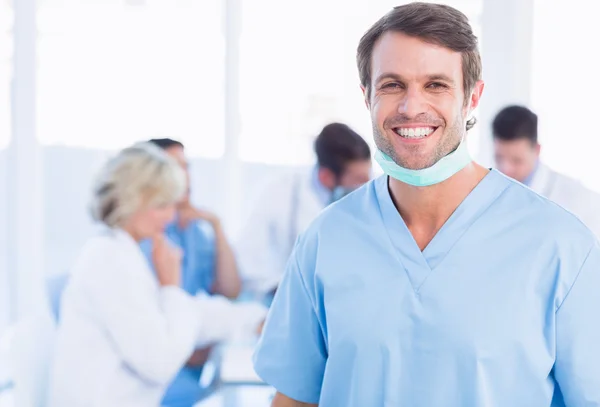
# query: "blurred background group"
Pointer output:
{"type": "Point", "coordinates": [258, 101]}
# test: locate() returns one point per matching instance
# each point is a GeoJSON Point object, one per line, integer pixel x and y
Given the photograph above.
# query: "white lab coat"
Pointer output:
{"type": "Point", "coordinates": [570, 194]}
{"type": "Point", "coordinates": [285, 209]}
{"type": "Point", "coordinates": [122, 337]}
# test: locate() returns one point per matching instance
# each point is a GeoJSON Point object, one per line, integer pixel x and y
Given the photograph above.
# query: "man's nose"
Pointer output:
{"type": "Point", "coordinates": [413, 103]}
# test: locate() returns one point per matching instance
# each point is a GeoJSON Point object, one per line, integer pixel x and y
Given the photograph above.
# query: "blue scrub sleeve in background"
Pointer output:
{"type": "Point", "coordinates": [577, 366]}
{"type": "Point", "coordinates": [291, 353]}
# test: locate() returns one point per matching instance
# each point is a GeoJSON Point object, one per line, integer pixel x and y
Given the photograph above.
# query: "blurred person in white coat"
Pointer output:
{"type": "Point", "coordinates": [125, 330]}
{"type": "Point", "coordinates": [517, 154]}
{"type": "Point", "coordinates": [289, 204]}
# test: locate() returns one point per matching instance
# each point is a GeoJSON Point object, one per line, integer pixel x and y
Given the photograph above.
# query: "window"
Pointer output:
{"type": "Point", "coordinates": [6, 52]}
{"type": "Point", "coordinates": [298, 72]}
{"type": "Point", "coordinates": [564, 87]}
{"type": "Point", "coordinates": [112, 72]}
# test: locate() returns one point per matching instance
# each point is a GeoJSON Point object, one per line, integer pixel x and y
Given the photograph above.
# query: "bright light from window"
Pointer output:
{"type": "Point", "coordinates": [115, 72]}
{"type": "Point", "coordinates": [564, 89]}
{"type": "Point", "coordinates": [6, 52]}
{"type": "Point", "coordinates": [6, 55]}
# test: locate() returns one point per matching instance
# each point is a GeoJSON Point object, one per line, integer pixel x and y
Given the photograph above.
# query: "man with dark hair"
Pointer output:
{"type": "Point", "coordinates": [516, 144]}
{"type": "Point", "coordinates": [517, 152]}
{"type": "Point", "coordinates": [441, 283]}
{"type": "Point", "coordinates": [208, 265]}
{"type": "Point", "coordinates": [290, 203]}
{"type": "Point", "coordinates": [343, 158]}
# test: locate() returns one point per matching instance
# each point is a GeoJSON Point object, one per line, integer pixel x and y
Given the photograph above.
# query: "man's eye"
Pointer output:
{"type": "Point", "coordinates": [436, 85]}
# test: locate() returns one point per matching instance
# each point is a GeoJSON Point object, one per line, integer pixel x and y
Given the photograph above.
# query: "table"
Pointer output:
{"type": "Point", "coordinates": [236, 364]}
{"type": "Point", "coordinates": [239, 385]}
{"type": "Point", "coordinates": [240, 396]}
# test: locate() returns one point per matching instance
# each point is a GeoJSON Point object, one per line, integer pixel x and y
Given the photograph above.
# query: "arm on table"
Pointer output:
{"type": "Point", "coordinates": [222, 319]}
{"type": "Point", "coordinates": [283, 401]}
{"type": "Point", "coordinates": [199, 357]}
{"type": "Point", "coordinates": [227, 277]}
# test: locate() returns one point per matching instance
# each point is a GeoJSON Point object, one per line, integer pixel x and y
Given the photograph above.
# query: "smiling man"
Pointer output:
{"type": "Point", "coordinates": [441, 283]}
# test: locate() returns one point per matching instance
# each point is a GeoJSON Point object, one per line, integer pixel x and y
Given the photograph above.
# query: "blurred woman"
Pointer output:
{"type": "Point", "coordinates": [125, 330]}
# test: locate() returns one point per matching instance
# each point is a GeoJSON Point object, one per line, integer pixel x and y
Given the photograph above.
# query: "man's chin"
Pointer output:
{"type": "Point", "coordinates": [414, 163]}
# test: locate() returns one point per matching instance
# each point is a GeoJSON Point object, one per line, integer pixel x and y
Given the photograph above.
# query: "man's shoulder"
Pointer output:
{"type": "Point", "coordinates": [107, 251]}
{"type": "Point", "coordinates": [355, 211]}
{"type": "Point", "coordinates": [532, 210]}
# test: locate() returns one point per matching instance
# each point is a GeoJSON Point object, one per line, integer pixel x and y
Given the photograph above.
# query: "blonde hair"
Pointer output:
{"type": "Point", "coordinates": [138, 177]}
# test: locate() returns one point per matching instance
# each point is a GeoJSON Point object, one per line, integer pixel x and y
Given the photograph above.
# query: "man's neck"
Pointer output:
{"type": "Point", "coordinates": [426, 209]}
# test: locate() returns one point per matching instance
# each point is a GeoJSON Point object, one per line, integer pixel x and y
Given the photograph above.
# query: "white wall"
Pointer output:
{"type": "Point", "coordinates": [565, 89]}
{"type": "Point", "coordinates": [4, 272]}
{"type": "Point", "coordinates": [24, 197]}
{"type": "Point", "coordinates": [507, 38]}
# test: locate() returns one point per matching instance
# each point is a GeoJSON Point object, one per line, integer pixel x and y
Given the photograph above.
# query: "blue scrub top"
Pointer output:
{"type": "Point", "coordinates": [198, 273]}
{"type": "Point", "coordinates": [500, 309]}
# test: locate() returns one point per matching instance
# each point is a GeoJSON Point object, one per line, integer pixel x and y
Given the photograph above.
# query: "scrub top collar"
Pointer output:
{"type": "Point", "coordinates": [419, 265]}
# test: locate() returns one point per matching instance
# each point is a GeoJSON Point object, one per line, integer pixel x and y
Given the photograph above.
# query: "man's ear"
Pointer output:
{"type": "Point", "coordinates": [476, 95]}
{"type": "Point", "coordinates": [327, 178]}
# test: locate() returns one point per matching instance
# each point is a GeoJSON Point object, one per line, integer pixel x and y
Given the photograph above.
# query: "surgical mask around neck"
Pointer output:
{"type": "Point", "coordinates": [438, 172]}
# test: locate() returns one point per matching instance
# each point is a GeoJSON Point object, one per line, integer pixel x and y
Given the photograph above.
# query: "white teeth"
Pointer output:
{"type": "Point", "coordinates": [415, 132]}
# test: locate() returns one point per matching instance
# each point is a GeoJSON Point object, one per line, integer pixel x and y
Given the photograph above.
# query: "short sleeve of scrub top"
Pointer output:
{"type": "Point", "coordinates": [577, 366]}
{"type": "Point", "coordinates": [292, 355]}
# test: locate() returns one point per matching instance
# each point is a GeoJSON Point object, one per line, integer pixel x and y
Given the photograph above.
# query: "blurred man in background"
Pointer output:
{"type": "Point", "coordinates": [287, 206]}
{"type": "Point", "coordinates": [208, 265]}
{"type": "Point", "coordinates": [517, 153]}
